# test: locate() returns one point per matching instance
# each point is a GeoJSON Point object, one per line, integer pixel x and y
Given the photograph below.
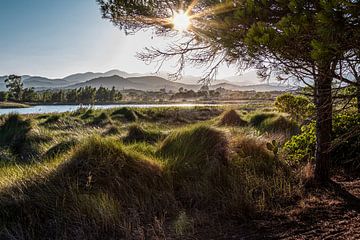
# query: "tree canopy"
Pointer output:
{"type": "Point", "coordinates": [316, 42]}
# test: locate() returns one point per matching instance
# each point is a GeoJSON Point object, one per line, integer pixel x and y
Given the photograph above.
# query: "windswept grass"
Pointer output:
{"type": "Point", "coordinates": [232, 118]}
{"type": "Point", "coordinates": [86, 180]}
{"type": "Point", "coordinates": [100, 191]}
{"type": "Point", "coordinates": [274, 122]}
{"type": "Point", "coordinates": [137, 133]}
{"type": "Point", "coordinates": [197, 157]}
{"type": "Point", "coordinates": [101, 120]}
{"type": "Point", "coordinates": [124, 114]}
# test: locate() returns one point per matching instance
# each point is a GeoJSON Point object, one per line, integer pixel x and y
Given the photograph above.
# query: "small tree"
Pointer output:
{"type": "Point", "coordinates": [299, 107]}
{"type": "Point", "coordinates": [15, 86]}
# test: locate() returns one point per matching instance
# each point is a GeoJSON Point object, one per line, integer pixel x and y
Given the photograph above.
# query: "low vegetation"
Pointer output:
{"type": "Point", "coordinates": [160, 177]}
{"type": "Point", "coordinates": [232, 118]}
{"type": "Point", "coordinates": [13, 105]}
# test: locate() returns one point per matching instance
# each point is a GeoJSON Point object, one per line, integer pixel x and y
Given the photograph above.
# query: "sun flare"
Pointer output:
{"type": "Point", "coordinates": [181, 21]}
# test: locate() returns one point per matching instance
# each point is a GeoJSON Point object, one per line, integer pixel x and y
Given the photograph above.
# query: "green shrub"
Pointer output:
{"type": "Point", "coordinates": [301, 148]}
{"type": "Point", "coordinates": [346, 142]}
{"type": "Point", "coordinates": [299, 107]}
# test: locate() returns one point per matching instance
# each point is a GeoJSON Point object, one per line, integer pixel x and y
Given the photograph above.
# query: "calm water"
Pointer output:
{"type": "Point", "coordinates": [69, 108]}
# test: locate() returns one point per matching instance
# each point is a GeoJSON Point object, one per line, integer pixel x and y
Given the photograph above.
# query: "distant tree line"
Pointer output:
{"type": "Point", "coordinates": [86, 95]}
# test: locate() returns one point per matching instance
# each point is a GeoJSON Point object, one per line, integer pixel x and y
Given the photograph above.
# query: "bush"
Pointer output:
{"type": "Point", "coordinates": [231, 118]}
{"type": "Point", "coordinates": [346, 142]}
{"type": "Point", "coordinates": [299, 107]}
{"type": "Point", "coordinates": [301, 148]}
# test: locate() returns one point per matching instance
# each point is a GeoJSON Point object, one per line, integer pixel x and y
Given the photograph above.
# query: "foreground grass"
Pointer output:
{"type": "Point", "coordinates": [135, 174]}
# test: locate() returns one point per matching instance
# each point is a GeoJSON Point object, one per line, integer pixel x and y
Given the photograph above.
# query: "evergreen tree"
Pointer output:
{"type": "Point", "coordinates": [289, 38]}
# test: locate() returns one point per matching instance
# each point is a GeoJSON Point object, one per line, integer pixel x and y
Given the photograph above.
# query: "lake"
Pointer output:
{"type": "Point", "coordinates": [69, 108]}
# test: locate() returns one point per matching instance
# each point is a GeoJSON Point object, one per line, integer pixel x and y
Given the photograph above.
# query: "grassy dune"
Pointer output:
{"type": "Point", "coordinates": [138, 174]}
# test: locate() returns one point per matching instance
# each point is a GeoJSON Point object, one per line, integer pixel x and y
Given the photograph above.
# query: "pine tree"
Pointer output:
{"type": "Point", "coordinates": [302, 39]}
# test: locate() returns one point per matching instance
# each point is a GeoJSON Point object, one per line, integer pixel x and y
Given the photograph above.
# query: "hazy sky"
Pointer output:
{"type": "Point", "coordinates": [55, 38]}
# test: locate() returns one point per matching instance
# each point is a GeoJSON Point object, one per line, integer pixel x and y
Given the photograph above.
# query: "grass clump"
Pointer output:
{"type": "Point", "coordinates": [13, 131]}
{"type": "Point", "coordinates": [231, 118]}
{"type": "Point", "coordinates": [124, 113]}
{"type": "Point", "coordinates": [280, 124]}
{"type": "Point", "coordinates": [138, 134]}
{"type": "Point", "coordinates": [196, 158]}
{"type": "Point", "coordinates": [52, 119]}
{"type": "Point", "coordinates": [258, 118]}
{"type": "Point", "coordinates": [101, 191]}
{"type": "Point", "coordinates": [101, 120]}
{"type": "Point", "coordinates": [111, 130]}
{"type": "Point", "coordinates": [86, 114]}
{"type": "Point", "coordinates": [267, 180]}
{"type": "Point", "coordinates": [274, 122]}
{"type": "Point", "coordinates": [60, 148]}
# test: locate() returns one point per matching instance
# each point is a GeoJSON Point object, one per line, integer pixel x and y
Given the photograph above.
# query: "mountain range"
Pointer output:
{"type": "Point", "coordinates": [146, 82]}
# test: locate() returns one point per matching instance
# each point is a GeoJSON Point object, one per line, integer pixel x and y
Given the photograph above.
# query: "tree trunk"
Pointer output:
{"type": "Point", "coordinates": [358, 95]}
{"type": "Point", "coordinates": [323, 125]}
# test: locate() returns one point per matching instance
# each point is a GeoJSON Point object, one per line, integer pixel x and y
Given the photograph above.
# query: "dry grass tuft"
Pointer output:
{"type": "Point", "coordinates": [231, 118]}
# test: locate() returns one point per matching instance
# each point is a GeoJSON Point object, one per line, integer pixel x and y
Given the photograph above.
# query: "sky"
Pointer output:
{"type": "Point", "coordinates": [56, 38]}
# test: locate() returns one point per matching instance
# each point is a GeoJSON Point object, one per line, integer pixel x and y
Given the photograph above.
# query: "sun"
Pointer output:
{"type": "Point", "coordinates": [181, 21]}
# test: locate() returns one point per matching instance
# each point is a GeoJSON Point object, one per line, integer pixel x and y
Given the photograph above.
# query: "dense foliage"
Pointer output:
{"type": "Point", "coordinates": [345, 151]}
{"type": "Point", "coordinates": [85, 95]}
{"type": "Point", "coordinates": [299, 107]}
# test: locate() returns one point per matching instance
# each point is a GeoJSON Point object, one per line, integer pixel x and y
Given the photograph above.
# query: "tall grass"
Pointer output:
{"type": "Point", "coordinates": [86, 186]}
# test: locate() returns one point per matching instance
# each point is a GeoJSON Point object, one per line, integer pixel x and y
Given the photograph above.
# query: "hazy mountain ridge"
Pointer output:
{"type": "Point", "coordinates": [145, 82]}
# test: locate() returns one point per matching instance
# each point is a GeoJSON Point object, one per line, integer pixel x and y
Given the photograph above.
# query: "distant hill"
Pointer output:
{"type": "Point", "coordinates": [83, 77]}
{"type": "Point", "coordinates": [145, 82]}
{"type": "Point", "coordinates": [41, 82]}
{"type": "Point", "coordinates": [255, 87]}
{"type": "Point", "coordinates": [107, 82]}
